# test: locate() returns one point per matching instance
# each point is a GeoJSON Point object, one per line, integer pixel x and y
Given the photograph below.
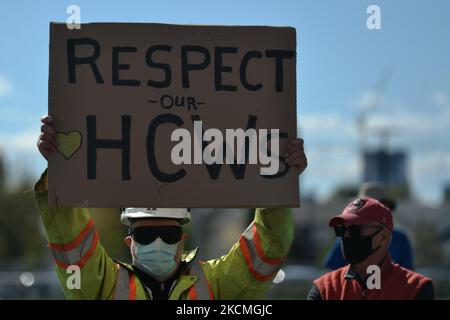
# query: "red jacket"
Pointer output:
{"type": "Point", "coordinates": [396, 283]}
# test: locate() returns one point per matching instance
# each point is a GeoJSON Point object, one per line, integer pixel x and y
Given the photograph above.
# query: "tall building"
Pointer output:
{"type": "Point", "coordinates": [2, 173]}
{"type": "Point", "coordinates": [389, 168]}
{"type": "Point", "coordinates": [447, 193]}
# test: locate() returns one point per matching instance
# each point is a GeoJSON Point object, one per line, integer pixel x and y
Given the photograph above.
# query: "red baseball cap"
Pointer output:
{"type": "Point", "coordinates": [363, 211]}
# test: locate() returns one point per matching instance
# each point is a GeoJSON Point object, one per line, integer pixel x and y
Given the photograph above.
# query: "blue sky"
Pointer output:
{"type": "Point", "coordinates": [340, 62]}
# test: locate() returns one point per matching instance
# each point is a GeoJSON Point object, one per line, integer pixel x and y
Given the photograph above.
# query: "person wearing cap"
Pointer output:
{"type": "Point", "coordinates": [365, 229]}
{"type": "Point", "coordinates": [400, 247]}
{"type": "Point", "coordinates": [160, 268]}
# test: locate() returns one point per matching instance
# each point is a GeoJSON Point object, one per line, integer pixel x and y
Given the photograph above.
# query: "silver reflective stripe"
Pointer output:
{"type": "Point", "coordinates": [264, 269]}
{"type": "Point", "coordinates": [122, 288]}
{"type": "Point", "coordinates": [74, 255]}
{"type": "Point", "coordinates": [201, 286]}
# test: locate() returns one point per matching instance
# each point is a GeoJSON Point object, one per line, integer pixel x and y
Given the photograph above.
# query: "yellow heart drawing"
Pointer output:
{"type": "Point", "coordinates": [68, 143]}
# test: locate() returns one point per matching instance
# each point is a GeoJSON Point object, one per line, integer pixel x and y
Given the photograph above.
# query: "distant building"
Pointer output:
{"type": "Point", "coordinates": [2, 172]}
{"type": "Point", "coordinates": [447, 193]}
{"type": "Point", "coordinates": [389, 168]}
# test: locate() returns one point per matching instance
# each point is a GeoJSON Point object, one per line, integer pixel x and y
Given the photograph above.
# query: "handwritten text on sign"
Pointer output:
{"type": "Point", "coordinates": [149, 114]}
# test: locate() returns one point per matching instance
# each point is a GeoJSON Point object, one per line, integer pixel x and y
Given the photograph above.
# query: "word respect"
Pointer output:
{"type": "Point", "coordinates": [192, 58]}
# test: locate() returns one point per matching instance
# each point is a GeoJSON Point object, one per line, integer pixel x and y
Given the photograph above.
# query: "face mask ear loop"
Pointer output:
{"type": "Point", "coordinates": [373, 235]}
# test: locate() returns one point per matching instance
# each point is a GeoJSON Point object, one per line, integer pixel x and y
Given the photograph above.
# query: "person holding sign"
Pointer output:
{"type": "Point", "coordinates": [161, 269]}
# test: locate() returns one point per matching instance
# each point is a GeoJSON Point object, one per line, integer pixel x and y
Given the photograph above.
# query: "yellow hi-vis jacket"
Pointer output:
{"type": "Point", "coordinates": [246, 272]}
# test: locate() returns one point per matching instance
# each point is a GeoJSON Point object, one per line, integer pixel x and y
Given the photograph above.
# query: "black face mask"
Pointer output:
{"type": "Point", "coordinates": [357, 248]}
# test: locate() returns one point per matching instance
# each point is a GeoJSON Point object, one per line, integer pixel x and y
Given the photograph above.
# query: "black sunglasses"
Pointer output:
{"type": "Point", "coordinates": [354, 231]}
{"type": "Point", "coordinates": [146, 235]}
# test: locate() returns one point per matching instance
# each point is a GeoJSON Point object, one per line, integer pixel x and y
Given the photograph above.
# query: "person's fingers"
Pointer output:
{"type": "Point", "coordinates": [46, 119]}
{"type": "Point", "coordinates": [295, 158]}
{"type": "Point", "coordinates": [44, 154]}
{"type": "Point", "coordinates": [296, 142]}
{"type": "Point", "coordinates": [294, 149]}
{"type": "Point", "coordinates": [297, 162]}
{"type": "Point", "coordinates": [45, 146]}
{"type": "Point", "coordinates": [294, 155]}
{"type": "Point", "coordinates": [48, 138]}
{"type": "Point", "coordinates": [299, 170]}
{"type": "Point", "coordinates": [295, 145]}
{"type": "Point", "coordinates": [47, 129]}
{"type": "Point", "coordinates": [300, 166]}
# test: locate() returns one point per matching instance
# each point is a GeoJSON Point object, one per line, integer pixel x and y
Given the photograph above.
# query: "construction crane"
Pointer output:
{"type": "Point", "coordinates": [373, 102]}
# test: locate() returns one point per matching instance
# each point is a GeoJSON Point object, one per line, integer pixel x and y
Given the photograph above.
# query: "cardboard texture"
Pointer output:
{"type": "Point", "coordinates": [110, 95]}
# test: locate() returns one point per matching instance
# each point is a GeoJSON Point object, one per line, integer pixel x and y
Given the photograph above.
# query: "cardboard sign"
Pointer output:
{"type": "Point", "coordinates": [118, 92]}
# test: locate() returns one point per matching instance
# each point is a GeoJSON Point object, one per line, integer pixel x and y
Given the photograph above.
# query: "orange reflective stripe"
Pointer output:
{"type": "Point", "coordinates": [132, 285]}
{"type": "Point", "coordinates": [84, 258]}
{"type": "Point", "coordinates": [192, 294]}
{"type": "Point", "coordinates": [76, 242]}
{"type": "Point", "coordinates": [77, 251]}
{"type": "Point", "coordinates": [247, 256]}
{"type": "Point", "coordinates": [260, 266]}
{"type": "Point", "coordinates": [260, 251]}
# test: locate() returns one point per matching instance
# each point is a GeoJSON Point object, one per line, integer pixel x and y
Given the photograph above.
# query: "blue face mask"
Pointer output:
{"type": "Point", "coordinates": [156, 258]}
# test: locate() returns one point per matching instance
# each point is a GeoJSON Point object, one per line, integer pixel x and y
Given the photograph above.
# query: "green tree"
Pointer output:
{"type": "Point", "coordinates": [21, 237]}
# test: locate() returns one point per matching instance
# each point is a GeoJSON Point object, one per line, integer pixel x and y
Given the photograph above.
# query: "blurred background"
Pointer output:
{"type": "Point", "coordinates": [373, 105]}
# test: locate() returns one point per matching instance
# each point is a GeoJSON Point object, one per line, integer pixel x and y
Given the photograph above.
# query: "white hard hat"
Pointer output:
{"type": "Point", "coordinates": [129, 214]}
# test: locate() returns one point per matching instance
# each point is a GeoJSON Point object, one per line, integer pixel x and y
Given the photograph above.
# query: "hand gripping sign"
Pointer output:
{"type": "Point", "coordinates": [172, 116]}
